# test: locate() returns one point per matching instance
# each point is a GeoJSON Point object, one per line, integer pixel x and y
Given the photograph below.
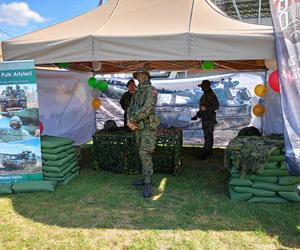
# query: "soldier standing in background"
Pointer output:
{"type": "Point", "coordinates": [126, 98]}
{"type": "Point", "coordinates": [142, 119]}
{"type": "Point", "coordinates": [208, 105]}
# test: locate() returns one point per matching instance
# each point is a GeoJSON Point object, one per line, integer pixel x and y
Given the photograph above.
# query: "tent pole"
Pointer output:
{"type": "Point", "coordinates": [259, 11]}
{"type": "Point", "coordinates": [237, 10]}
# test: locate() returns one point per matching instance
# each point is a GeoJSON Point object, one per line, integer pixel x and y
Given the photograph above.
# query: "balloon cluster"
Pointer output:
{"type": "Point", "coordinates": [258, 109]}
{"type": "Point", "coordinates": [97, 86]}
{"type": "Point", "coordinates": [261, 90]}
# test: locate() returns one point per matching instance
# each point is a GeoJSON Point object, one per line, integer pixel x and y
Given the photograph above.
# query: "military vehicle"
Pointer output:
{"type": "Point", "coordinates": [178, 99]}
{"type": "Point", "coordinates": [13, 99]}
{"type": "Point", "coordinates": [12, 162]}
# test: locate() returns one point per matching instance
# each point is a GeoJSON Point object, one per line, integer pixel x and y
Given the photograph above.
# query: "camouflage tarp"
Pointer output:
{"type": "Point", "coordinates": [251, 153]}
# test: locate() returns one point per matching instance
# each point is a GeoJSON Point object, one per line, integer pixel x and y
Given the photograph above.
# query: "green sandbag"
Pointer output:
{"type": "Point", "coordinates": [53, 169]}
{"type": "Point", "coordinates": [267, 199]}
{"type": "Point", "coordinates": [277, 151]}
{"type": "Point", "coordinates": [240, 182]}
{"type": "Point", "coordinates": [255, 191]}
{"type": "Point", "coordinates": [270, 179]}
{"type": "Point", "coordinates": [272, 165]}
{"type": "Point", "coordinates": [6, 188]}
{"type": "Point", "coordinates": [291, 196]}
{"type": "Point", "coordinates": [276, 158]}
{"type": "Point", "coordinates": [65, 182]}
{"type": "Point", "coordinates": [274, 172]}
{"type": "Point", "coordinates": [55, 142]}
{"type": "Point", "coordinates": [34, 186]}
{"type": "Point", "coordinates": [289, 180]}
{"type": "Point", "coordinates": [61, 162]}
{"type": "Point", "coordinates": [61, 174]}
{"type": "Point", "coordinates": [56, 150]}
{"type": "Point", "coordinates": [235, 196]}
{"type": "Point", "coordinates": [235, 176]}
{"type": "Point", "coordinates": [54, 157]}
{"type": "Point", "coordinates": [58, 178]}
{"type": "Point", "coordinates": [283, 165]}
{"type": "Point", "coordinates": [75, 169]}
{"type": "Point", "coordinates": [274, 187]}
{"type": "Point", "coordinates": [234, 170]}
{"type": "Point", "coordinates": [71, 150]}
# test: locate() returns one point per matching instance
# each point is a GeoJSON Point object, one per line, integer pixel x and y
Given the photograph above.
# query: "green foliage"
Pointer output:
{"type": "Point", "coordinates": [190, 211]}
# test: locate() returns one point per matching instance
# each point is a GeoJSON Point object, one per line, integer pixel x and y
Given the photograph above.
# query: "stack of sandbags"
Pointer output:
{"type": "Point", "coordinates": [272, 184]}
{"type": "Point", "coordinates": [59, 159]}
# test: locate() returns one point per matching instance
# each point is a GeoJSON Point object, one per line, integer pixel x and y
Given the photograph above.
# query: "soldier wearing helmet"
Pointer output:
{"type": "Point", "coordinates": [16, 131]}
{"type": "Point", "coordinates": [142, 119]}
{"type": "Point", "coordinates": [208, 105]}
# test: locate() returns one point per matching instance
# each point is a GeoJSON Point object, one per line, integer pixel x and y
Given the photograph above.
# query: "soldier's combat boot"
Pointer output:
{"type": "Point", "coordinates": [147, 190]}
{"type": "Point", "coordinates": [139, 183]}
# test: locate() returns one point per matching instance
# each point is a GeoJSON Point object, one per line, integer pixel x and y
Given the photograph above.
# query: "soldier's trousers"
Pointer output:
{"type": "Point", "coordinates": [146, 142]}
{"type": "Point", "coordinates": [208, 130]}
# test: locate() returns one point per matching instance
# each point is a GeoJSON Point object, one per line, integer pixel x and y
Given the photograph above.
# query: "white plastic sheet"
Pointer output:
{"type": "Point", "coordinates": [64, 101]}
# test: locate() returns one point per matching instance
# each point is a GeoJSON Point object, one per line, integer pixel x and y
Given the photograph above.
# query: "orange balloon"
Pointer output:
{"type": "Point", "coordinates": [259, 110]}
{"type": "Point", "coordinates": [260, 90]}
{"type": "Point", "coordinates": [96, 103]}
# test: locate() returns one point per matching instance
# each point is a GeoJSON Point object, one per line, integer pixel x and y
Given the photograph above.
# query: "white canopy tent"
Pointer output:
{"type": "Point", "coordinates": [127, 30]}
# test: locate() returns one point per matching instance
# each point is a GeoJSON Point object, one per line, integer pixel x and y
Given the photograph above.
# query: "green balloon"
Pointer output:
{"type": "Point", "coordinates": [207, 65]}
{"type": "Point", "coordinates": [92, 82]}
{"type": "Point", "coordinates": [63, 65]}
{"type": "Point", "coordinates": [102, 85]}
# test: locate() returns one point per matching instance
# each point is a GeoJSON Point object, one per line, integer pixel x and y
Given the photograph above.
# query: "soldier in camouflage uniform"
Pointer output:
{"type": "Point", "coordinates": [126, 98]}
{"type": "Point", "coordinates": [142, 119]}
{"type": "Point", "coordinates": [208, 105]}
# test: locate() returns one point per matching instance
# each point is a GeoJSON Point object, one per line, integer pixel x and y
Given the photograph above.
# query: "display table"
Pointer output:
{"type": "Point", "coordinates": [117, 151]}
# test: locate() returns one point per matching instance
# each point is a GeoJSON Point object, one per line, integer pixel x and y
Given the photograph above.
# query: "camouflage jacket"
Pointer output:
{"type": "Point", "coordinates": [210, 101]}
{"type": "Point", "coordinates": [141, 110]}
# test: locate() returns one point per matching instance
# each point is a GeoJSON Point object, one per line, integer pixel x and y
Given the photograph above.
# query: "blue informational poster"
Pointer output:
{"type": "Point", "coordinates": [20, 146]}
{"type": "Point", "coordinates": [286, 20]}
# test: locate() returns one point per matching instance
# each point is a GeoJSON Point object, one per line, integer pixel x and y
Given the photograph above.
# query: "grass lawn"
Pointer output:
{"type": "Point", "coordinates": [190, 211]}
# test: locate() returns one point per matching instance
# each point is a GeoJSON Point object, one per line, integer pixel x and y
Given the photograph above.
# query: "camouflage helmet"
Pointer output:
{"type": "Point", "coordinates": [141, 70]}
{"type": "Point", "coordinates": [205, 84]}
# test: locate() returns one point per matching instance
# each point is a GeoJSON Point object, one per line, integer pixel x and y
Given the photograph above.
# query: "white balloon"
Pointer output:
{"type": "Point", "coordinates": [95, 93]}
{"type": "Point", "coordinates": [271, 64]}
{"type": "Point", "coordinates": [96, 65]}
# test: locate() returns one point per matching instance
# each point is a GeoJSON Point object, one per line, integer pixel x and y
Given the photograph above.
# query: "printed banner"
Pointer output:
{"type": "Point", "coordinates": [286, 20]}
{"type": "Point", "coordinates": [20, 147]}
{"type": "Point", "coordinates": [178, 101]}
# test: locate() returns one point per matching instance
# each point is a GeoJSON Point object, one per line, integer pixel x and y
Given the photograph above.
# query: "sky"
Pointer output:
{"type": "Point", "coordinates": [21, 17]}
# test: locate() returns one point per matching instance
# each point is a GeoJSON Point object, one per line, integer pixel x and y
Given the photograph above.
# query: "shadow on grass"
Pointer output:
{"type": "Point", "coordinates": [195, 200]}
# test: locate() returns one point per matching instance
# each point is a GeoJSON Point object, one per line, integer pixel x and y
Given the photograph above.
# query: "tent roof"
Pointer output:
{"type": "Point", "coordinates": [143, 30]}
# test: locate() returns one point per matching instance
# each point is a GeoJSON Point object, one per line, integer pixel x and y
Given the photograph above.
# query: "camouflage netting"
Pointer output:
{"type": "Point", "coordinates": [259, 172]}
{"type": "Point", "coordinates": [117, 151]}
{"type": "Point", "coordinates": [251, 153]}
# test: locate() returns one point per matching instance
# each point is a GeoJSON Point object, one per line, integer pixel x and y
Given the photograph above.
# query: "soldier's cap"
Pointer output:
{"type": "Point", "coordinates": [205, 83]}
{"type": "Point", "coordinates": [129, 82]}
{"type": "Point", "coordinates": [141, 70]}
